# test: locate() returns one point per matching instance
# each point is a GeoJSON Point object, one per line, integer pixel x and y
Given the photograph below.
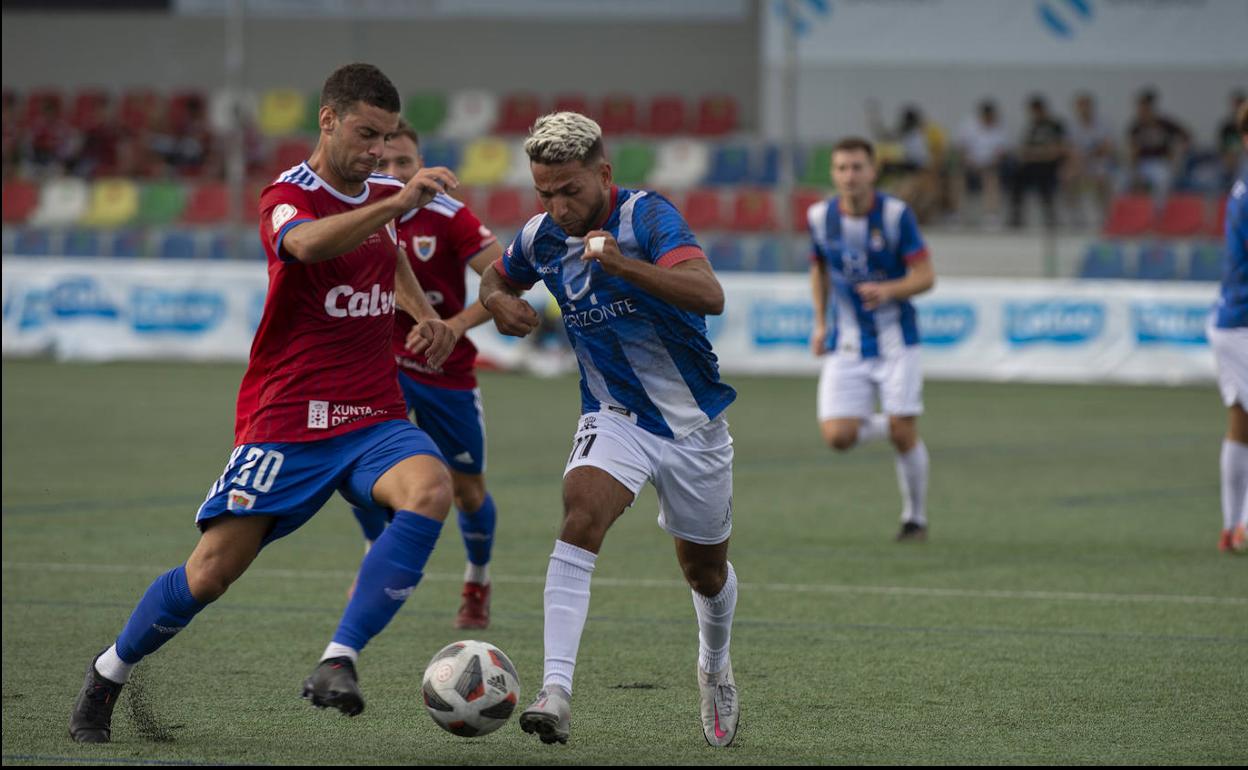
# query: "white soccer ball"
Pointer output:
{"type": "Point", "coordinates": [470, 688]}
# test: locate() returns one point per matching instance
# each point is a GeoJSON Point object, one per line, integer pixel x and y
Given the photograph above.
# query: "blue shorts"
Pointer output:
{"type": "Point", "coordinates": [293, 480]}
{"type": "Point", "coordinates": [452, 418]}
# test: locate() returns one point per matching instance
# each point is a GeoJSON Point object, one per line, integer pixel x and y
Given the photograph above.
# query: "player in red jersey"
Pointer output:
{"type": "Point", "coordinates": [439, 240]}
{"type": "Point", "coordinates": [319, 409]}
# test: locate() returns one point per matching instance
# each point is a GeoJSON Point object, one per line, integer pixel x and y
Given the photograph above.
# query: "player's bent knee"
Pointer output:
{"type": "Point", "coordinates": [582, 528]}
{"type": "Point", "coordinates": [706, 579]}
{"type": "Point", "coordinates": [421, 484]}
{"type": "Point", "coordinates": [841, 440]}
{"type": "Point", "coordinates": [469, 493]}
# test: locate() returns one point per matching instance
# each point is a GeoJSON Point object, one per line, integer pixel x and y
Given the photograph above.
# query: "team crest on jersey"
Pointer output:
{"type": "Point", "coordinates": [238, 500]}
{"type": "Point", "coordinates": [425, 246]}
{"type": "Point", "coordinates": [877, 240]}
{"type": "Point", "coordinates": [281, 215]}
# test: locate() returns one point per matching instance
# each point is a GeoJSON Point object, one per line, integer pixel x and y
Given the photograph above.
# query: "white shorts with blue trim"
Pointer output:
{"type": "Point", "coordinates": [849, 386]}
{"type": "Point", "coordinates": [1230, 353]}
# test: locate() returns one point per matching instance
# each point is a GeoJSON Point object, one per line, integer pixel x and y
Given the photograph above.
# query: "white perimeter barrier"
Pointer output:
{"type": "Point", "coordinates": [1047, 331]}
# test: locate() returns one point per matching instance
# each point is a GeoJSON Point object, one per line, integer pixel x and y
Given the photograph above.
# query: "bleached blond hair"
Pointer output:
{"type": "Point", "coordinates": [560, 137]}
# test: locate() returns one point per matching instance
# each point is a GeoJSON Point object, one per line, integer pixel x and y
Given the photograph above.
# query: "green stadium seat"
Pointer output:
{"type": "Point", "coordinates": [161, 203]}
{"type": "Point", "coordinates": [816, 171]}
{"type": "Point", "coordinates": [426, 111]}
{"type": "Point", "coordinates": [312, 115]}
{"type": "Point", "coordinates": [631, 164]}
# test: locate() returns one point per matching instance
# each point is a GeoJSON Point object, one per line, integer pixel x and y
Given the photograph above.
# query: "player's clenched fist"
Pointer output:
{"type": "Point", "coordinates": [427, 183]}
{"type": "Point", "coordinates": [433, 337]}
{"type": "Point", "coordinates": [512, 315]}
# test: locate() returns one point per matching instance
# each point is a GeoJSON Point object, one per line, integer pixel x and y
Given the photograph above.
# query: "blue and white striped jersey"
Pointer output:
{"type": "Point", "coordinates": [1232, 308]}
{"type": "Point", "coordinates": [855, 249]}
{"type": "Point", "coordinates": [636, 352]}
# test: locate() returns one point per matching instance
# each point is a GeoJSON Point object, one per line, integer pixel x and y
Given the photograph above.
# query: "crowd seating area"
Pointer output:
{"type": "Point", "coordinates": [140, 174]}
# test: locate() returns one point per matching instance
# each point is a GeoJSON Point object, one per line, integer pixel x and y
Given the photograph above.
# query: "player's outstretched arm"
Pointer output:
{"type": "Point", "coordinates": [318, 240]}
{"type": "Point", "coordinates": [689, 285]}
{"type": "Point", "coordinates": [512, 315]}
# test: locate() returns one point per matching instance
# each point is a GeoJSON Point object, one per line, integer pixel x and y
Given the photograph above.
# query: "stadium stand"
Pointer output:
{"type": "Point", "coordinates": [1156, 262]}
{"type": "Point", "coordinates": [1103, 260]}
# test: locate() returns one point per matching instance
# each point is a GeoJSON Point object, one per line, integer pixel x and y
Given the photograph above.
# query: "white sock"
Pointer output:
{"type": "Point", "coordinates": [335, 650]}
{"type": "Point", "coordinates": [715, 623]}
{"type": "Point", "coordinates": [912, 478]}
{"type": "Point", "coordinates": [872, 428]}
{"type": "Point", "coordinates": [113, 668]}
{"type": "Point", "coordinates": [567, 605]}
{"type": "Point", "coordinates": [480, 574]}
{"type": "Point", "coordinates": [1234, 484]}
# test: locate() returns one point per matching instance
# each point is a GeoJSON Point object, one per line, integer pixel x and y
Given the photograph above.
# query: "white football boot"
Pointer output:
{"type": "Point", "coordinates": [550, 715]}
{"type": "Point", "coordinates": [720, 708]}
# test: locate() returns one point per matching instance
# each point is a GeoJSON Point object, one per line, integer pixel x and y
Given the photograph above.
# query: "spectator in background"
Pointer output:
{"type": "Point", "coordinates": [1090, 164]}
{"type": "Point", "coordinates": [12, 134]}
{"type": "Point", "coordinates": [1156, 147]}
{"type": "Point", "coordinates": [911, 158]}
{"type": "Point", "coordinates": [981, 146]}
{"type": "Point", "coordinates": [1040, 156]}
{"type": "Point", "coordinates": [181, 140]}
{"type": "Point", "coordinates": [98, 144]}
{"type": "Point", "coordinates": [1233, 159]}
{"type": "Point", "coordinates": [49, 139]}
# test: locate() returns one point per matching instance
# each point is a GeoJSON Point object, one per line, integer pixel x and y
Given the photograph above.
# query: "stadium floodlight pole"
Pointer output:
{"type": "Point", "coordinates": [235, 159]}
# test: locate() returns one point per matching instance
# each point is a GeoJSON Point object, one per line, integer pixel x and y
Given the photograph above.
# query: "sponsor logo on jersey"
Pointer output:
{"type": "Point", "coordinates": [581, 319]}
{"type": "Point", "coordinates": [877, 240]}
{"type": "Point", "coordinates": [239, 500]}
{"type": "Point", "coordinates": [425, 246]}
{"type": "Point", "coordinates": [344, 301]}
{"type": "Point", "coordinates": [318, 414]}
{"type": "Point", "coordinates": [1169, 324]}
{"type": "Point", "coordinates": [946, 323]}
{"type": "Point", "coordinates": [282, 213]}
{"type": "Point", "coordinates": [1060, 322]}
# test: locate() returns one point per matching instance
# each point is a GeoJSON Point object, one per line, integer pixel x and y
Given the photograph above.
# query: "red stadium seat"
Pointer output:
{"type": "Point", "coordinates": [504, 207]}
{"type": "Point", "coordinates": [703, 210]}
{"type": "Point", "coordinates": [185, 106]}
{"type": "Point", "coordinates": [801, 202]}
{"type": "Point", "coordinates": [753, 211]}
{"type": "Point", "coordinates": [519, 113]}
{"type": "Point", "coordinates": [209, 204]}
{"type": "Point", "coordinates": [289, 153]}
{"type": "Point", "coordinates": [666, 116]}
{"type": "Point", "coordinates": [573, 103]}
{"type": "Point", "coordinates": [43, 101]}
{"type": "Point", "coordinates": [717, 115]}
{"type": "Point", "coordinates": [1217, 223]}
{"type": "Point", "coordinates": [89, 108]}
{"type": "Point", "coordinates": [618, 114]}
{"type": "Point", "coordinates": [1129, 215]}
{"type": "Point", "coordinates": [137, 108]}
{"type": "Point", "coordinates": [1183, 215]}
{"type": "Point", "coordinates": [20, 200]}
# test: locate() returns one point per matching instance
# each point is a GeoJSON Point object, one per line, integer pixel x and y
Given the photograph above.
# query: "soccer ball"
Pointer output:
{"type": "Point", "coordinates": [470, 688]}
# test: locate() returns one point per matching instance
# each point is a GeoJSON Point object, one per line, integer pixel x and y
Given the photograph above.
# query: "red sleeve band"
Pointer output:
{"type": "Point", "coordinates": [680, 254]}
{"type": "Point", "coordinates": [916, 256]}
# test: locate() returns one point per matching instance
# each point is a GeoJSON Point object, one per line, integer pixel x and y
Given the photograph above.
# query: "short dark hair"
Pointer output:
{"type": "Point", "coordinates": [1241, 119]}
{"type": "Point", "coordinates": [855, 144]}
{"type": "Point", "coordinates": [1147, 96]}
{"type": "Point", "coordinates": [405, 129]}
{"type": "Point", "coordinates": [359, 83]}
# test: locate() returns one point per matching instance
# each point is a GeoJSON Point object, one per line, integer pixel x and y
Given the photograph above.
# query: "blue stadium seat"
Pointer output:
{"type": "Point", "coordinates": [82, 243]}
{"type": "Point", "coordinates": [1156, 262]}
{"type": "Point", "coordinates": [440, 153]}
{"type": "Point", "coordinates": [177, 244]}
{"type": "Point", "coordinates": [727, 254]}
{"type": "Point", "coordinates": [251, 247]}
{"type": "Point", "coordinates": [219, 246]}
{"type": "Point", "coordinates": [1103, 260]}
{"type": "Point", "coordinates": [766, 166]}
{"type": "Point", "coordinates": [730, 164]}
{"type": "Point", "coordinates": [1205, 262]}
{"type": "Point", "coordinates": [32, 242]}
{"type": "Point", "coordinates": [772, 256]}
{"type": "Point", "coordinates": [129, 244]}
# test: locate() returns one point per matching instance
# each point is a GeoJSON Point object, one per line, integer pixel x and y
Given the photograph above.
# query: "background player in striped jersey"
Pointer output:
{"type": "Point", "coordinates": [634, 287]}
{"type": "Point", "coordinates": [319, 408]}
{"type": "Point", "coordinates": [868, 261]}
{"type": "Point", "coordinates": [1228, 334]}
{"type": "Point", "coordinates": [439, 240]}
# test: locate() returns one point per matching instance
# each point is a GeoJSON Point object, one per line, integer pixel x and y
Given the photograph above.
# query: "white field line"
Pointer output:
{"type": "Point", "coordinates": [805, 588]}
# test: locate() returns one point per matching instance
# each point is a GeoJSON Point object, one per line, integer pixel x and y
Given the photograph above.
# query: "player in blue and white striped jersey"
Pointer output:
{"type": "Point", "coordinates": [634, 287]}
{"type": "Point", "coordinates": [869, 260]}
{"type": "Point", "coordinates": [1228, 335]}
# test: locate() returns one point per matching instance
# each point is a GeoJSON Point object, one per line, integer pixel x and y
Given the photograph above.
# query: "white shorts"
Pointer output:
{"type": "Point", "coordinates": [1230, 353]}
{"type": "Point", "coordinates": [692, 475]}
{"type": "Point", "coordinates": [849, 386]}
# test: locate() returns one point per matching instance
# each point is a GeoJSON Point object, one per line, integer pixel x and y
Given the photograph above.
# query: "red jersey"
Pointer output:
{"type": "Point", "coordinates": [440, 239]}
{"type": "Point", "coordinates": [320, 362]}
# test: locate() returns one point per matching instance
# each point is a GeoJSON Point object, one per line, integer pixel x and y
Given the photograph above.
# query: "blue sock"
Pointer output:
{"type": "Point", "coordinates": [164, 610]}
{"type": "Point", "coordinates": [477, 530]}
{"type": "Point", "coordinates": [372, 521]}
{"type": "Point", "coordinates": [391, 570]}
